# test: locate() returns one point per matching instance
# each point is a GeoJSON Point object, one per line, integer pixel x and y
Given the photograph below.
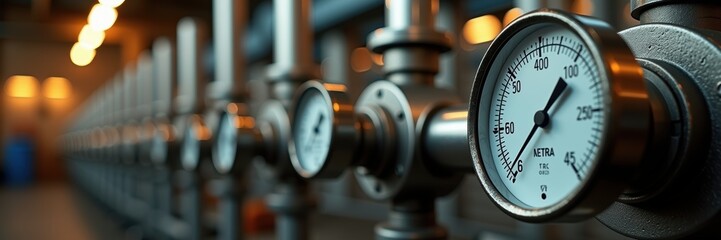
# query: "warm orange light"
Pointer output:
{"type": "Point", "coordinates": [481, 29]}
{"type": "Point", "coordinates": [511, 15]}
{"type": "Point", "coordinates": [583, 7]}
{"type": "Point", "coordinates": [102, 17]}
{"type": "Point", "coordinates": [81, 55]}
{"type": "Point", "coordinates": [90, 38]}
{"type": "Point", "coordinates": [57, 88]}
{"type": "Point", "coordinates": [21, 86]}
{"type": "Point", "coordinates": [360, 59]}
{"type": "Point", "coordinates": [377, 59]}
{"type": "Point", "coordinates": [111, 3]}
{"type": "Point", "coordinates": [455, 115]}
{"type": "Point", "coordinates": [334, 87]}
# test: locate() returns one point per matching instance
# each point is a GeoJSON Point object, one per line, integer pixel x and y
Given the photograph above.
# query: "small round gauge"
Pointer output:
{"type": "Point", "coordinates": [195, 141]}
{"type": "Point", "coordinates": [321, 117]}
{"type": "Point", "coordinates": [226, 146]}
{"type": "Point", "coordinates": [551, 108]}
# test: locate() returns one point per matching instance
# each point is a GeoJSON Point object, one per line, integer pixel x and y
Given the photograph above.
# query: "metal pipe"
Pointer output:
{"type": "Point", "coordinates": [693, 14]}
{"type": "Point", "coordinates": [190, 203]}
{"type": "Point", "coordinates": [410, 44]}
{"type": "Point", "coordinates": [404, 14]}
{"type": "Point", "coordinates": [446, 139]}
{"type": "Point", "coordinates": [191, 87]}
{"type": "Point", "coordinates": [144, 85]}
{"type": "Point", "coordinates": [229, 222]}
{"type": "Point", "coordinates": [293, 43]}
{"type": "Point", "coordinates": [229, 23]}
{"type": "Point", "coordinates": [293, 37]}
{"type": "Point", "coordinates": [163, 74]}
{"type": "Point", "coordinates": [129, 97]}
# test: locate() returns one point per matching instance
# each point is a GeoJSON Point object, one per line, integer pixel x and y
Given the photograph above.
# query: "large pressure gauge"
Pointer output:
{"type": "Point", "coordinates": [558, 117]}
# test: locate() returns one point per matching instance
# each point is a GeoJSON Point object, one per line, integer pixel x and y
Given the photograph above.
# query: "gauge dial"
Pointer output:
{"type": "Point", "coordinates": [323, 130]}
{"type": "Point", "coordinates": [547, 116]}
{"type": "Point", "coordinates": [227, 143]}
{"type": "Point", "coordinates": [312, 130]}
{"type": "Point", "coordinates": [544, 116]}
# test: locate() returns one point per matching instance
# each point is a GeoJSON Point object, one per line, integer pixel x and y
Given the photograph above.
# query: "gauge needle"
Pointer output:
{"type": "Point", "coordinates": [541, 118]}
{"type": "Point", "coordinates": [316, 129]}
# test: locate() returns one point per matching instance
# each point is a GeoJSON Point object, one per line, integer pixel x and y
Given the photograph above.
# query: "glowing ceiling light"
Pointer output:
{"type": "Point", "coordinates": [511, 15]}
{"type": "Point", "coordinates": [57, 88]}
{"type": "Point", "coordinates": [111, 3]}
{"type": "Point", "coordinates": [481, 29]}
{"type": "Point", "coordinates": [21, 86]}
{"type": "Point", "coordinates": [90, 38]}
{"type": "Point", "coordinates": [360, 59]}
{"type": "Point", "coordinates": [81, 55]}
{"type": "Point", "coordinates": [102, 17]}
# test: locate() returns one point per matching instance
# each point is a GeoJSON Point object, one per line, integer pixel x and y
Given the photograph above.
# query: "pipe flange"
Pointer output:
{"type": "Point", "coordinates": [695, 206]}
{"type": "Point", "coordinates": [274, 126]}
{"type": "Point", "coordinates": [383, 39]}
{"type": "Point", "coordinates": [407, 174]}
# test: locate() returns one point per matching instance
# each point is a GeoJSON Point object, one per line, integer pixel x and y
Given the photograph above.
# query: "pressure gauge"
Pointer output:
{"type": "Point", "coordinates": [322, 118]}
{"type": "Point", "coordinates": [226, 146]}
{"type": "Point", "coordinates": [558, 117]}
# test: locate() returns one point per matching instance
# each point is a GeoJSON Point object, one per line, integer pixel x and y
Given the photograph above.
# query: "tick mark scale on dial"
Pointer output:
{"type": "Point", "coordinates": [540, 44]}
{"type": "Point", "coordinates": [580, 48]}
{"type": "Point", "coordinates": [573, 166]}
{"type": "Point", "coordinates": [559, 45]}
{"type": "Point", "coordinates": [557, 90]}
{"type": "Point", "coordinates": [513, 76]}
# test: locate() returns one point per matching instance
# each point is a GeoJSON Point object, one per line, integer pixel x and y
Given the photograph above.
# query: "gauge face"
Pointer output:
{"type": "Point", "coordinates": [312, 130]}
{"type": "Point", "coordinates": [226, 146]}
{"type": "Point", "coordinates": [545, 116]}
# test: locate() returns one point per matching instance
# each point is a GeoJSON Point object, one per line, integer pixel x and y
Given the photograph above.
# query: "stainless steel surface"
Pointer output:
{"type": "Point", "coordinates": [293, 36]}
{"type": "Point", "coordinates": [692, 14]}
{"type": "Point", "coordinates": [229, 21]}
{"type": "Point", "coordinates": [164, 76]}
{"type": "Point", "coordinates": [445, 141]}
{"type": "Point", "coordinates": [691, 196]}
{"type": "Point", "coordinates": [410, 43]}
{"type": "Point", "coordinates": [191, 73]}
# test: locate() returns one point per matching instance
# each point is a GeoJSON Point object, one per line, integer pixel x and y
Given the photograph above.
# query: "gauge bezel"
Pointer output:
{"type": "Point", "coordinates": [343, 131]}
{"type": "Point", "coordinates": [622, 144]}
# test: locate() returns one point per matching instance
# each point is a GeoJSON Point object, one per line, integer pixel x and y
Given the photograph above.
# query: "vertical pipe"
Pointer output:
{"type": "Point", "coordinates": [144, 85]}
{"type": "Point", "coordinates": [190, 204]}
{"type": "Point", "coordinates": [336, 49]}
{"type": "Point", "coordinates": [449, 19]}
{"type": "Point", "coordinates": [410, 44]}
{"type": "Point", "coordinates": [293, 38]}
{"type": "Point", "coordinates": [403, 14]}
{"type": "Point", "coordinates": [163, 74]}
{"type": "Point", "coordinates": [191, 86]}
{"type": "Point", "coordinates": [228, 208]}
{"type": "Point", "coordinates": [292, 51]}
{"type": "Point", "coordinates": [229, 21]}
